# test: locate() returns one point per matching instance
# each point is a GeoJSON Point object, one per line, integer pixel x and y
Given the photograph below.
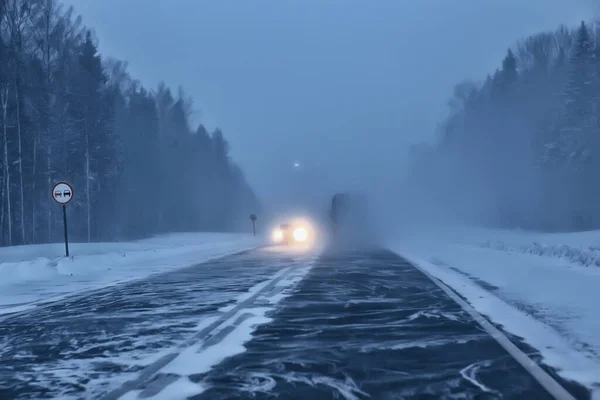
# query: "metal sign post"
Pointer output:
{"type": "Point", "coordinates": [62, 193]}
{"type": "Point", "coordinates": [253, 219]}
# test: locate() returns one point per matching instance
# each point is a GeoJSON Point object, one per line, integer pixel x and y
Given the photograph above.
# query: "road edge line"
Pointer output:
{"type": "Point", "coordinates": [554, 388]}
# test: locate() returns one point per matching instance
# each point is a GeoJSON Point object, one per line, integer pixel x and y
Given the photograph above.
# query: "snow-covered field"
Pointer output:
{"type": "Point", "coordinates": [542, 287]}
{"type": "Point", "coordinates": [39, 273]}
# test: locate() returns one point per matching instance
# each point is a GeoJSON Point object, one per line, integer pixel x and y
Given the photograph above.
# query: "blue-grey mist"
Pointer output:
{"type": "Point", "coordinates": [341, 87]}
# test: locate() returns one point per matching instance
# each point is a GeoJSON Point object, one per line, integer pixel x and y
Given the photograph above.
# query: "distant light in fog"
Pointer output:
{"type": "Point", "coordinates": [296, 165]}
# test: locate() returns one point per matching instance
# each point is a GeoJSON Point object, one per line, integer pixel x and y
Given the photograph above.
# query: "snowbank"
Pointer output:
{"type": "Point", "coordinates": [581, 248]}
{"type": "Point", "coordinates": [32, 274]}
{"type": "Point", "coordinates": [542, 287]}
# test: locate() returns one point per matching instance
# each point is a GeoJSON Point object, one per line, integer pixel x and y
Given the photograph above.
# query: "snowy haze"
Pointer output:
{"type": "Point", "coordinates": [342, 87]}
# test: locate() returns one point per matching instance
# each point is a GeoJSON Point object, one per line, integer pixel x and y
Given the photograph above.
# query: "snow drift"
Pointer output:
{"type": "Point", "coordinates": [31, 274]}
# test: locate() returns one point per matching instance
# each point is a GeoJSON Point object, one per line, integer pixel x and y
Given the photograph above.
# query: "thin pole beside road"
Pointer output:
{"type": "Point", "coordinates": [64, 207]}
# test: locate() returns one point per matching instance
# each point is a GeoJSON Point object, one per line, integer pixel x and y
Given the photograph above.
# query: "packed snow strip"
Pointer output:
{"type": "Point", "coordinates": [182, 387]}
{"type": "Point", "coordinates": [228, 338]}
{"type": "Point", "coordinates": [196, 360]}
{"type": "Point", "coordinates": [255, 289]}
{"type": "Point", "coordinates": [545, 300]}
{"type": "Point", "coordinates": [199, 359]}
{"type": "Point", "coordinates": [36, 273]}
{"type": "Point", "coordinates": [283, 287]}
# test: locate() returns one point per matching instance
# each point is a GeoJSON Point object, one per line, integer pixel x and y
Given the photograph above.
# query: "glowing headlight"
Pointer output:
{"type": "Point", "coordinates": [300, 234]}
{"type": "Point", "coordinates": [277, 235]}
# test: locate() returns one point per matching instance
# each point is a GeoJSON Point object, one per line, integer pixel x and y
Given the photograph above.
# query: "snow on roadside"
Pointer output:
{"type": "Point", "coordinates": [32, 274]}
{"type": "Point", "coordinates": [581, 248]}
{"type": "Point", "coordinates": [547, 297]}
{"type": "Point", "coordinates": [583, 255]}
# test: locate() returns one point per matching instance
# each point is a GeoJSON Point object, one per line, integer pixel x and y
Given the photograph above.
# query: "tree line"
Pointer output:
{"type": "Point", "coordinates": [137, 166]}
{"type": "Point", "coordinates": [522, 147]}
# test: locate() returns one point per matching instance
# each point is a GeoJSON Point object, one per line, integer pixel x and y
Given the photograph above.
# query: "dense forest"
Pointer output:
{"type": "Point", "coordinates": [522, 148]}
{"type": "Point", "coordinates": [136, 165]}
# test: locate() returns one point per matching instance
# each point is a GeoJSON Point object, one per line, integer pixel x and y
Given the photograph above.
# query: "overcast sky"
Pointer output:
{"type": "Point", "coordinates": [344, 83]}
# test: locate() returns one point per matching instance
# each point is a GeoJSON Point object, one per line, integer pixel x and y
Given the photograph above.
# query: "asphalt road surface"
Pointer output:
{"type": "Point", "coordinates": [360, 325]}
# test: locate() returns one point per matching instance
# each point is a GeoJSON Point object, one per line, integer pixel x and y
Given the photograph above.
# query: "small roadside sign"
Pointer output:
{"type": "Point", "coordinates": [62, 193]}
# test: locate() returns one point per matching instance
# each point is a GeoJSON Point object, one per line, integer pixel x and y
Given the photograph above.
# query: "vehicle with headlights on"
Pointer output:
{"type": "Point", "coordinates": [289, 234]}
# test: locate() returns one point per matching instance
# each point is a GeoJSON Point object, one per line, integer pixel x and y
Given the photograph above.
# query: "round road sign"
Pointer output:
{"type": "Point", "coordinates": [62, 193]}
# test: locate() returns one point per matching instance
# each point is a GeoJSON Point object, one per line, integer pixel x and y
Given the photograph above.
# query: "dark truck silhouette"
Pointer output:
{"type": "Point", "coordinates": [350, 219]}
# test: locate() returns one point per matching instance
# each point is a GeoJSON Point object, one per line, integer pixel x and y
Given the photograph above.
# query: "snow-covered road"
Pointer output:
{"type": "Point", "coordinates": [31, 275]}
{"type": "Point", "coordinates": [369, 325]}
{"type": "Point", "coordinates": [541, 287]}
{"type": "Point", "coordinates": [86, 345]}
{"type": "Point", "coordinates": [260, 324]}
